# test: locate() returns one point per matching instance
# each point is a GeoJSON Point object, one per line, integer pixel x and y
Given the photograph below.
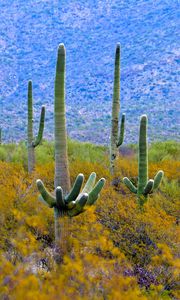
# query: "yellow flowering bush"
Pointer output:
{"type": "Point", "coordinates": [113, 250]}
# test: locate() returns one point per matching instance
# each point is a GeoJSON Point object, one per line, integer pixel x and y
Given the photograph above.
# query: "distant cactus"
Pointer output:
{"type": "Point", "coordinates": [145, 186]}
{"type": "Point", "coordinates": [32, 143]}
{"type": "Point", "coordinates": [0, 135]}
{"type": "Point", "coordinates": [66, 201]}
{"type": "Point", "coordinates": [117, 134]}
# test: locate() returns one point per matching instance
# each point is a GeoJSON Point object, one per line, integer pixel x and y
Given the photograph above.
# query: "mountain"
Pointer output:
{"type": "Point", "coordinates": [30, 32]}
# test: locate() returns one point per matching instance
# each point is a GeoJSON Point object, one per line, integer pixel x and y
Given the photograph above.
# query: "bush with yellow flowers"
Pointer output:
{"type": "Point", "coordinates": [112, 251]}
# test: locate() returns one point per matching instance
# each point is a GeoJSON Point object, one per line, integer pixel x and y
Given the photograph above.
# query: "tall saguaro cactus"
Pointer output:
{"type": "Point", "coordinates": [117, 134]}
{"type": "Point", "coordinates": [65, 201]}
{"type": "Point", "coordinates": [33, 143]}
{"type": "Point", "coordinates": [145, 186]}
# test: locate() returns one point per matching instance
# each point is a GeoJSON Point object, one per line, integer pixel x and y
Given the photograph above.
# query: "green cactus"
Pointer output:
{"type": "Point", "coordinates": [145, 186]}
{"type": "Point", "coordinates": [33, 143]}
{"type": "Point", "coordinates": [73, 203]}
{"type": "Point", "coordinates": [66, 202]}
{"type": "Point", "coordinates": [62, 176]}
{"type": "Point", "coordinates": [117, 135]}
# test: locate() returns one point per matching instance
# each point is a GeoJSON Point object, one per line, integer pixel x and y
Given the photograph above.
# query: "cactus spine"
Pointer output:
{"type": "Point", "coordinates": [144, 186]}
{"type": "Point", "coordinates": [65, 201]}
{"type": "Point", "coordinates": [33, 143]}
{"type": "Point", "coordinates": [117, 135]}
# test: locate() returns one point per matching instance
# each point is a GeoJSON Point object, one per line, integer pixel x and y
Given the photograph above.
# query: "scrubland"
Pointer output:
{"type": "Point", "coordinates": [113, 250]}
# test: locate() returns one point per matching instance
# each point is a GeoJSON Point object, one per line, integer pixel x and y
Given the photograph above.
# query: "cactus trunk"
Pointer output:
{"type": "Point", "coordinates": [143, 157]}
{"type": "Point", "coordinates": [117, 135]}
{"type": "Point", "coordinates": [62, 177]}
{"type": "Point", "coordinates": [61, 229]}
{"type": "Point", "coordinates": [31, 154]}
{"type": "Point", "coordinates": [31, 158]}
{"type": "Point", "coordinates": [115, 109]}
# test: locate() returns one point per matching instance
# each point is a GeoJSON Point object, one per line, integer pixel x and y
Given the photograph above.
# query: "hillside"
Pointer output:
{"type": "Point", "coordinates": [90, 30]}
{"type": "Point", "coordinates": [114, 250]}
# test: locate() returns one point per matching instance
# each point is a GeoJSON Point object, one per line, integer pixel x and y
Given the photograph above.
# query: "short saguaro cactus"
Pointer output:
{"type": "Point", "coordinates": [145, 186]}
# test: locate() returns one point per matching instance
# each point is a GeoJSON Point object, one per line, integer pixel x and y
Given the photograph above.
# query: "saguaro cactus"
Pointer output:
{"type": "Point", "coordinates": [117, 135]}
{"type": "Point", "coordinates": [33, 143]}
{"type": "Point", "coordinates": [144, 186]}
{"type": "Point", "coordinates": [65, 201]}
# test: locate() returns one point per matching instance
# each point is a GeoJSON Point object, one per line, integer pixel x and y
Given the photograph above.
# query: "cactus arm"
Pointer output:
{"type": "Point", "coordinates": [71, 204]}
{"type": "Point", "coordinates": [80, 203]}
{"type": "Point", "coordinates": [143, 156]}
{"type": "Point", "coordinates": [121, 131]}
{"type": "Point", "coordinates": [75, 189]}
{"type": "Point", "coordinates": [157, 179]}
{"type": "Point", "coordinates": [41, 128]}
{"type": "Point", "coordinates": [59, 198]}
{"type": "Point", "coordinates": [46, 196]}
{"type": "Point", "coordinates": [90, 183]}
{"type": "Point", "coordinates": [94, 194]}
{"type": "Point", "coordinates": [130, 185]}
{"type": "Point", "coordinates": [62, 177]}
{"type": "Point", "coordinates": [149, 187]}
{"type": "Point", "coordinates": [40, 198]}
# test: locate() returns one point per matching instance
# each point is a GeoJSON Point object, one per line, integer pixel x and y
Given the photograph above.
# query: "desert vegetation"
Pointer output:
{"type": "Point", "coordinates": [124, 247]}
{"type": "Point", "coordinates": [114, 251]}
